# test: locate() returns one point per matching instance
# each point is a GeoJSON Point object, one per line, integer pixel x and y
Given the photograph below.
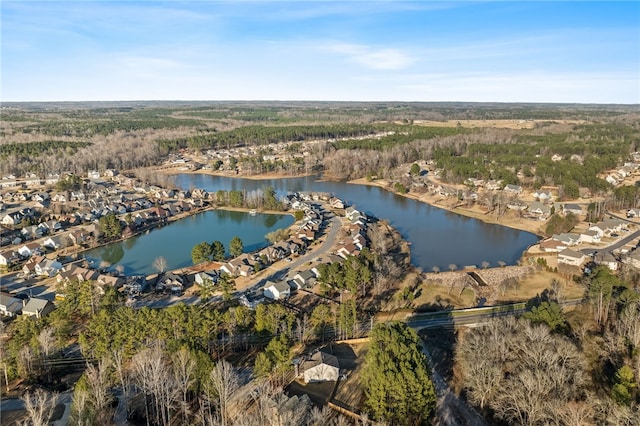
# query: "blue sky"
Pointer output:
{"type": "Point", "coordinates": [587, 52]}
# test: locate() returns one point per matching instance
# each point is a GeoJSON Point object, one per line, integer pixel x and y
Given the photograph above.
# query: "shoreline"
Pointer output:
{"type": "Point", "coordinates": [525, 225]}
{"type": "Point", "coordinates": [508, 221]}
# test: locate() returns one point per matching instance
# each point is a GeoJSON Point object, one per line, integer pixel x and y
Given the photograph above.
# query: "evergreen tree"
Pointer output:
{"type": "Point", "coordinates": [396, 377]}
{"type": "Point", "coordinates": [236, 247]}
{"type": "Point", "coordinates": [218, 251]}
{"type": "Point", "coordinates": [201, 252]}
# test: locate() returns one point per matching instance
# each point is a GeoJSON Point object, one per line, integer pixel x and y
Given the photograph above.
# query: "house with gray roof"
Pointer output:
{"type": "Point", "coordinates": [321, 367]}
{"type": "Point", "coordinates": [277, 291]}
{"type": "Point", "coordinates": [10, 306]}
{"type": "Point", "coordinates": [38, 308]}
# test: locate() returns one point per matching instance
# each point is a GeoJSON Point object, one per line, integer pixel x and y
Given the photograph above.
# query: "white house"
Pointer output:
{"type": "Point", "coordinates": [513, 189]}
{"type": "Point", "coordinates": [572, 208]}
{"type": "Point", "coordinates": [11, 219]}
{"type": "Point", "coordinates": [210, 277]}
{"type": "Point", "coordinates": [48, 267]}
{"type": "Point", "coordinates": [589, 237]}
{"type": "Point", "coordinates": [571, 257]}
{"type": "Point", "coordinates": [9, 306]}
{"type": "Point", "coordinates": [7, 257]}
{"type": "Point", "coordinates": [606, 259]}
{"type": "Point", "coordinates": [251, 300]}
{"type": "Point", "coordinates": [321, 367]}
{"type": "Point", "coordinates": [277, 291]}
{"type": "Point", "coordinates": [29, 250]}
{"type": "Point", "coordinates": [37, 308]}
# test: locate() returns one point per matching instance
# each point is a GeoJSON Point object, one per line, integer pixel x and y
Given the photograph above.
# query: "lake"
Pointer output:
{"type": "Point", "coordinates": [438, 237]}
{"type": "Point", "coordinates": [175, 241]}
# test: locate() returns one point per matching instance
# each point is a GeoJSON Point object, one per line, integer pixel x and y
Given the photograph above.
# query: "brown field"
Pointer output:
{"type": "Point", "coordinates": [536, 284]}
{"type": "Point", "coordinates": [498, 124]}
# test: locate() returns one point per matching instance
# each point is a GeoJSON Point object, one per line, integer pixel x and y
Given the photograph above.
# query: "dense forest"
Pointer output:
{"type": "Point", "coordinates": [348, 133]}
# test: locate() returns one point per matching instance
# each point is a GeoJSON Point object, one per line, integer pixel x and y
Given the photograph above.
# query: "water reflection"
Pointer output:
{"type": "Point", "coordinates": [438, 237]}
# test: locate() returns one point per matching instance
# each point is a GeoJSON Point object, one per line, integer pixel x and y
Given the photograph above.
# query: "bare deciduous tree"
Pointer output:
{"type": "Point", "coordinates": [98, 383]}
{"type": "Point", "coordinates": [224, 382]}
{"type": "Point", "coordinates": [183, 370]}
{"type": "Point", "coordinates": [521, 371]}
{"type": "Point", "coordinates": [160, 264]}
{"type": "Point", "coordinates": [39, 406]}
{"type": "Point", "coordinates": [47, 341]}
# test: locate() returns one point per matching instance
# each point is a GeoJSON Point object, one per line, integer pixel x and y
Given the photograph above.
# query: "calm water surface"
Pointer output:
{"type": "Point", "coordinates": [175, 241]}
{"type": "Point", "coordinates": [438, 237]}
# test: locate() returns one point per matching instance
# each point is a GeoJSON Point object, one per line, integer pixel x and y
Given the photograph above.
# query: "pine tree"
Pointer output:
{"type": "Point", "coordinates": [396, 377]}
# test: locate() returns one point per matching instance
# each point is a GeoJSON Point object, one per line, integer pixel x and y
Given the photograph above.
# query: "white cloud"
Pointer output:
{"type": "Point", "coordinates": [377, 59]}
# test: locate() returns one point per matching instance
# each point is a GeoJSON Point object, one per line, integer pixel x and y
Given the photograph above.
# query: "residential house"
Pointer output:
{"type": "Point", "coordinates": [304, 279]}
{"type": "Point", "coordinates": [543, 196]}
{"type": "Point", "coordinates": [631, 213]}
{"type": "Point", "coordinates": [277, 291]}
{"type": "Point", "coordinates": [552, 246]}
{"type": "Point", "coordinates": [29, 267]}
{"type": "Point", "coordinates": [10, 306]}
{"type": "Point", "coordinates": [48, 268]}
{"type": "Point", "coordinates": [513, 189]}
{"type": "Point", "coordinates": [359, 241]}
{"type": "Point", "coordinates": [607, 259]}
{"type": "Point", "coordinates": [32, 232]}
{"type": "Point", "coordinates": [30, 249]}
{"type": "Point", "coordinates": [572, 208]}
{"type": "Point", "coordinates": [52, 179]}
{"type": "Point", "coordinates": [60, 197]}
{"type": "Point", "coordinates": [539, 210]}
{"type": "Point", "coordinates": [77, 237]}
{"type": "Point", "coordinates": [171, 281]}
{"type": "Point", "coordinates": [607, 226]}
{"type": "Point", "coordinates": [110, 280]}
{"type": "Point", "coordinates": [93, 174]}
{"type": "Point", "coordinates": [493, 185]}
{"type": "Point", "coordinates": [610, 179]}
{"type": "Point", "coordinates": [571, 257]}
{"type": "Point", "coordinates": [347, 250]}
{"type": "Point", "coordinates": [12, 219]}
{"type": "Point", "coordinates": [569, 239]}
{"type": "Point", "coordinates": [54, 243]}
{"type": "Point", "coordinates": [589, 237]}
{"type": "Point", "coordinates": [31, 179]}
{"type": "Point", "coordinates": [352, 213]}
{"type": "Point", "coordinates": [321, 367]}
{"type": "Point", "coordinates": [251, 299]}
{"type": "Point", "coordinates": [556, 157]}
{"type": "Point", "coordinates": [38, 308]}
{"type": "Point", "coordinates": [206, 277]}
{"type": "Point", "coordinates": [7, 257]}
{"type": "Point", "coordinates": [336, 203]}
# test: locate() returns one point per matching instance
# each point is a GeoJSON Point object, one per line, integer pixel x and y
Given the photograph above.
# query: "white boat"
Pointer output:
{"type": "Point", "coordinates": [253, 212]}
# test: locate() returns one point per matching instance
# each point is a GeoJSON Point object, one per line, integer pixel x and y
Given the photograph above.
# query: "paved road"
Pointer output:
{"type": "Point", "coordinates": [333, 228]}
{"type": "Point", "coordinates": [618, 244]}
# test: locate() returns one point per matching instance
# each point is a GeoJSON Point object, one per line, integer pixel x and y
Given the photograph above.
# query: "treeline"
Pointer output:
{"type": "Point", "coordinates": [257, 199]}
{"type": "Point", "coordinates": [108, 126]}
{"type": "Point", "coordinates": [399, 136]}
{"type": "Point", "coordinates": [27, 150]}
{"type": "Point", "coordinates": [262, 135]}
